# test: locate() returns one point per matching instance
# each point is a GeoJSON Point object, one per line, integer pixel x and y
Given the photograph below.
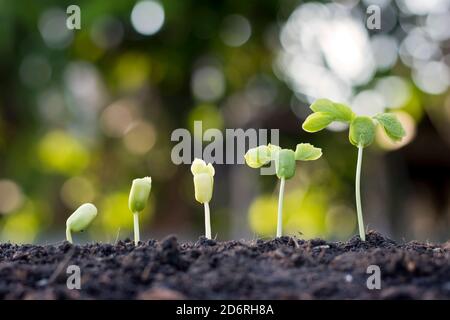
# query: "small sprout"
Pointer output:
{"type": "Point", "coordinates": [203, 187]}
{"type": "Point", "coordinates": [139, 193]}
{"type": "Point", "coordinates": [80, 219]}
{"type": "Point", "coordinates": [284, 166]}
{"type": "Point", "coordinates": [361, 135]}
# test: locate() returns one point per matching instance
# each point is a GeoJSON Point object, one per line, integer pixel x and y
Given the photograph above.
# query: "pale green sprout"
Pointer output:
{"type": "Point", "coordinates": [284, 166]}
{"type": "Point", "coordinates": [80, 219]}
{"type": "Point", "coordinates": [203, 186]}
{"type": "Point", "coordinates": [139, 193]}
{"type": "Point", "coordinates": [361, 135]}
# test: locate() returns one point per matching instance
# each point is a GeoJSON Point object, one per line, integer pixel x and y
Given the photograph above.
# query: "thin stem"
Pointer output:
{"type": "Point", "coordinates": [136, 228]}
{"type": "Point", "coordinates": [362, 233]}
{"type": "Point", "coordinates": [207, 221]}
{"type": "Point", "coordinates": [69, 235]}
{"type": "Point", "coordinates": [280, 209]}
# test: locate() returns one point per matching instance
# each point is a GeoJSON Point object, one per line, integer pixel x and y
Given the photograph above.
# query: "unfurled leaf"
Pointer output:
{"type": "Point", "coordinates": [338, 111]}
{"type": "Point", "coordinates": [273, 149]}
{"type": "Point", "coordinates": [257, 157]}
{"type": "Point", "coordinates": [317, 121]}
{"type": "Point", "coordinates": [362, 131]}
{"type": "Point", "coordinates": [285, 163]}
{"type": "Point", "coordinates": [391, 126]}
{"type": "Point", "coordinates": [307, 152]}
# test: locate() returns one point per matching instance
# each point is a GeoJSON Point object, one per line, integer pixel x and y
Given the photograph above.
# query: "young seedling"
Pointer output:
{"type": "Point", "coordinates": [361, 135]}
{"type": "Point", "coordinates": [139, 193]}
{"type": "Point", "coordinates": [203, 187]}
{"type": "Point", "coordinates": [284, 166]}
{"type": "Point", "coordinates": [80, 219]}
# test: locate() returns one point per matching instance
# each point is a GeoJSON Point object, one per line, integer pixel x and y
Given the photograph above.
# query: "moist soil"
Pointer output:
{"type": "Point", "coordinates": [282, 268]}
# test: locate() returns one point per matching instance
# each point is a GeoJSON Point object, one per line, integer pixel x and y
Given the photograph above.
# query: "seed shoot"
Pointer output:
{"type": "Point", "coordinates": [284, 166]}
{"type": "Point", "coordinates": [139, 193]}
{"type": "Point", "coordinates": [80, 219]}
{"type": "Point", "coordinates": [361, 135]}
{"type": "Point", "coordinates": [203, 187]}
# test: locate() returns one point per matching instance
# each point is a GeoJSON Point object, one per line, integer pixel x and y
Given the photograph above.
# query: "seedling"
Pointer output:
{"type": "Point", "coordinates": [203, 187]}
{"type": "Point", "coordinates": [284, 166]}
{"type": "Point", "coordinates": [80, 219]}
{"type": "Point", "coordinates": [139, 193]}
{"type": "Point", "coordinates": [361, 135]}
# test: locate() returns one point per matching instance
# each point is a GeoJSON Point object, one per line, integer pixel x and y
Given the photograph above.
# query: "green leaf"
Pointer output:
{"type": "Point", "coordinates": [317, 121]}
{"type": "Point", "coordinates": [362, 131]}
{"type": "Point", "coordinates": [391, 125]}
{"type": "Point", "coordinates": [259, 156]}
{"type": "Point", "coordinates": [285, 164]}
{"type": "Point", "coordinates": [339, 111]}
{"type": "Point", "coordinates": [307, 152]}
{"type": "Point", "coordinates": [274, 149]}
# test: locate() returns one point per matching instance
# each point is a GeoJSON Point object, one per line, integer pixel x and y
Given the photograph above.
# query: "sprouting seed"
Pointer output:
{"type": "Point", "coordinates": [80, 219]}
{"type": "Point", "coordinates": [361, 135]}
{"type": "Point", "coordinates": [139, 193]}
{"type": "Point", "coordinates": [203, 187]}
{"type": "Point", "coordinates": [284, 166]}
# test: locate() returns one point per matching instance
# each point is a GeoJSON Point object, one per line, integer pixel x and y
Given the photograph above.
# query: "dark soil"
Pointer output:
{"type": "Point", "coordinates": [283, 268]}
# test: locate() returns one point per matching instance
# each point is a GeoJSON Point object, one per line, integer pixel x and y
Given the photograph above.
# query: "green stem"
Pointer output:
{"type": "Point", "coordinates": [69, 235]}
{"type": "Point", "coordinates": [362, 233]}
{"type": "Point", "coordinates": [280, 209]}
{"type": "Point", "coordinates": [136, 228]}
{"type": "Point", "coordinates": [207, 221]}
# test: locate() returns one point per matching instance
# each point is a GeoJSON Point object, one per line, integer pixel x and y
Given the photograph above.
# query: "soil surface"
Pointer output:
{"type": "Point", "coordinates": [283, 268]}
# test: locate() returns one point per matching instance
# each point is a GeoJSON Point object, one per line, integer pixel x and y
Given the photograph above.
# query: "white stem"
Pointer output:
{"type": "Point", "coordinates": [280, 209]}
{"type": "Point", "coordinates": [362, 233]}
{"type": "Point", "coordinates": [207, 221]}
{"type": "Point", "coordinates": [69, 235]}
{"type": "Point", "coordinates": [136, 228]}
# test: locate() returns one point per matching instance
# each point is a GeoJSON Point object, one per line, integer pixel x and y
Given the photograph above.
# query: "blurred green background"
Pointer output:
{"type": "Point", "coordinates": [83, 112]}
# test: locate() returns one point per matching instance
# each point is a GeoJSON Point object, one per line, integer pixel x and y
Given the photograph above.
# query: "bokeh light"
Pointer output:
{"type": "Point", "coordinates": [83, 112]}
{"type": "Point", "coordinates": [23, 226]}
{"type": "Point", "coordinates": [52, 25]}
{"type": "Point", "coordinates": [147, 17]}
{"type": "Point", "coordinates": [432, 77]}
{"type": "Point", "coordinates": [368, 103]}
{"type": "Point", "coordinates": [140, 137]}
{"type": "Point", "coordinates": [118, 117]}
{"type": "Point", "coordinates": [208, 83]}
{"type": "Point", "coordinates": [60, 152]}
{"type": "Point", "coordinates": [11, 197]}
{"type": "Point", "coordinates": [76, 191]}
{"type": "Point", "coordinates": [132, 70]}
{"type": "Point", "coordinates": [236, 30]}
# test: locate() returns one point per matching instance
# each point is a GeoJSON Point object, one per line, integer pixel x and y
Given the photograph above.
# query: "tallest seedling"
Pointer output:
{"type": "Point", "coordinates": [361, 135]}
